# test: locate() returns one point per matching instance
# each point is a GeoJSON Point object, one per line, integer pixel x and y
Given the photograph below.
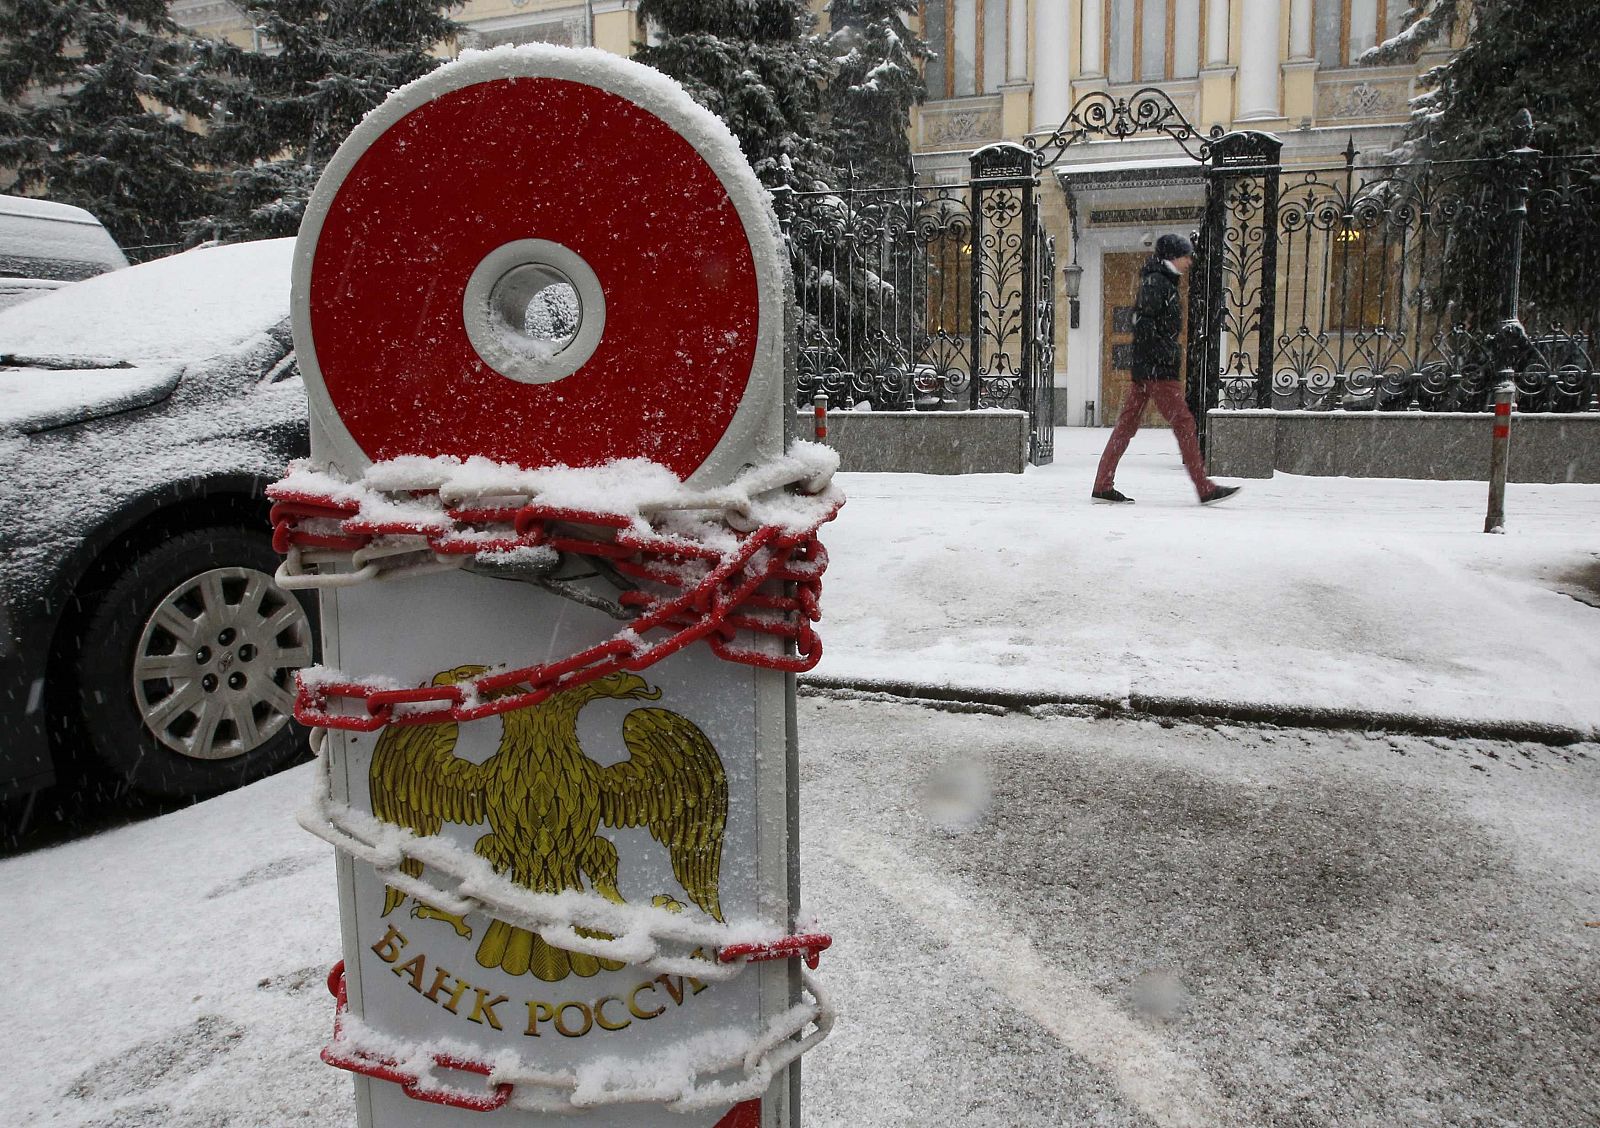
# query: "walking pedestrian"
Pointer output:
{"type": "Point", "coordinates": [1157, 365]}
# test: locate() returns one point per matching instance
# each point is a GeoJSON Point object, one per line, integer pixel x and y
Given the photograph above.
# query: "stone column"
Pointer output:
{"type": "Point", "coordinates": [1091, 26]}
{"type": "Point", "coordinates": [1216, 76]}
{"type": "Point", "coordinates": [1260, 68]}
{"type": "Point", "coordinates": [1300, 72]}
{"type": "Point", "coordinates": [1052, 65]}
{"type": "Point", "coordinates": [1016, 111]}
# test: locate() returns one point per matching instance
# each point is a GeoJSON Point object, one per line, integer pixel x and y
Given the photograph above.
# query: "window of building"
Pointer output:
{"type": "Point", "coordinates": [1152, 40]}
{"type": "Point", "coordinates": [1362, 279]}
{"type": "Point", "coordinates": [566, 32]}
{"type": "Point", "coordinates": [1345, 29]}
{"type": "Point", "coordinates": [969, 38]}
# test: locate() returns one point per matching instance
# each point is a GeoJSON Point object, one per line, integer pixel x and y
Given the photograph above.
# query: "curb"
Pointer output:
{"type": "Point", "coordinates": [968, 699]}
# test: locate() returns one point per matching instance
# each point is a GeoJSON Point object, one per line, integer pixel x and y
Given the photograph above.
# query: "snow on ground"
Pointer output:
{"type": "Point", "coordinates": [1373, 595]}
{"type": "Point", "coordinates": [1039, 921]}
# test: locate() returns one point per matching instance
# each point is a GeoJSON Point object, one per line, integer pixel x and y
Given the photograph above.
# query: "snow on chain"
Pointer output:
{"type": "Point", "coordinates": [638, 932]}
{"type": "Point", "coordinates": [793, 492]}
{"type": "Point", "coordinates": [678, 1078]}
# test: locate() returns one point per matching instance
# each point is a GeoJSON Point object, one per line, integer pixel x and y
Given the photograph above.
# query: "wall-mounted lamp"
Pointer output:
{"type": "Point", "coordinates": [1072, 278]}
{"type": "Point", "coordinates": [1072, 273]}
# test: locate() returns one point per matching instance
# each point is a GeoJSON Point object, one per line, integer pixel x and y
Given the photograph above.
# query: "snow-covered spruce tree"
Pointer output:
{"type": "Point", "coordinates": [869, 274]}
{"type": "Point", "coordinates": [757, 65]}
{"type": "Point", "coordinates": [286, 108]}
{"type": "Point", "coordinates": [93, 100]}
{"type": "Point", "coordinates": [876, 79]}
{"type": "Point", "coordinates": [1519, 54]}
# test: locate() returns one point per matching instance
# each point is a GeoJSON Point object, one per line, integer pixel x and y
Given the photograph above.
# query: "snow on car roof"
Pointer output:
{"type": "Point", "coordinates": [45, 209]}
{"type": "Point", "coordinates": [186, 307]}
{"type": "Point", "coordinates": [44, 239]}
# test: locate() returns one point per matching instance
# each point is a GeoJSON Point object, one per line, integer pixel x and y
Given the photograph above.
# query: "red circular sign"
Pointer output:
{"type": "Point", "coordinates": [548, 159]}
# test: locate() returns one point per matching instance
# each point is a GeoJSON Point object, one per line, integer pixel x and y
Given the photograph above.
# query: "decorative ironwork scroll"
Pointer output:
{"type": "Point", "coordinates": [1100, 116]}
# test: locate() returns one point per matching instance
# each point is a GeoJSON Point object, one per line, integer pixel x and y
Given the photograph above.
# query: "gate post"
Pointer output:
{"type": "Point", "coordinates": [1206, 307]}
{"type": "Point", "coordinates": [557, 744]}
{"type": "Point", "coordinates": [1241, 283]}
{"type": "Point", "coordinates": [1002, 265]}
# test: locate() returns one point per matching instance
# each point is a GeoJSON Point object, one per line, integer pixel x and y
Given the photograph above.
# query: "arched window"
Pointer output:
{"type": "Point", "coordinates": [969, 41]}
{"type": "Point", "coordinates": [1152, 40]}
{"type": "Point", "coordinates": [1346, 28]}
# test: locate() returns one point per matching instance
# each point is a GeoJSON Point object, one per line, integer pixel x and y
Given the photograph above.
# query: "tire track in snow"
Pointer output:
{"type": "Point", "coordinates": [1154, 1075]}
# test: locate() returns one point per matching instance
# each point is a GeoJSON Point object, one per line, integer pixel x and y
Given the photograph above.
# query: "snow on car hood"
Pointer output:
{"type": "Point", "coordinates": [122, 339]}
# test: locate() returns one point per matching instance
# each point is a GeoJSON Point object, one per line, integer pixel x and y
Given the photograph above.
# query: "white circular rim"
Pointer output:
{"type": "Point", "coordinates": [755, 434]}
{"type": "Point", "coordinates": [489, 339]}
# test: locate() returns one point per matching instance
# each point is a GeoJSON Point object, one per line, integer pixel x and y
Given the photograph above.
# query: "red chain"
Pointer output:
{"type": "Point", "coordinates": [809, 946]}
{"type": "Point", "coordinates": [339, 1052]}
{"type": "Point", "coordinates": [715, 608]}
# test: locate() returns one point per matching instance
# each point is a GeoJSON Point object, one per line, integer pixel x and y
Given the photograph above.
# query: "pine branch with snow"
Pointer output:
{"type": "Point", "coordinates": [758, 66]}
{"type": "Point", "coordinates": [877, 78]}
{"type": "Point", "coordinates": [1432, 22]}
{"type": "Point", "coordinates": [285, 109]}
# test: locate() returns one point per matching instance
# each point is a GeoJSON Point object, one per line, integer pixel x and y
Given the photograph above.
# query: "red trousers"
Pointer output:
{"type": "Point", "coordinates": [1168, 395]}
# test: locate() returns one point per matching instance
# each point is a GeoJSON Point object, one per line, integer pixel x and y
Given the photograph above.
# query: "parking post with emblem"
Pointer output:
{"type": "Point", "coordinates": [567, 555]}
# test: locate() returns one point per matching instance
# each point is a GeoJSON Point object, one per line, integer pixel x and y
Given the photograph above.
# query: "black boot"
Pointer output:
{"type": "Point", "coordinates": [1115, 497]}
{"type": "Point", "coordinates": [1218, 493]}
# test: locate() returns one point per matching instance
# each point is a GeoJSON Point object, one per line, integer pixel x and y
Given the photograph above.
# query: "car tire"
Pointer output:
{"type": "Point", "coordinates": [185, 671]}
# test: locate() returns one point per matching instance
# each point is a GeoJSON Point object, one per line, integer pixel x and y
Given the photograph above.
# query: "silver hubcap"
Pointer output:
{"type": "Point", "coordinates": [213, 672]}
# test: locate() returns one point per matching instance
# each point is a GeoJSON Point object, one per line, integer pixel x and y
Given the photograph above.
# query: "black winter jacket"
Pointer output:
{"type": "Point", "coordinates": [1157, 323]}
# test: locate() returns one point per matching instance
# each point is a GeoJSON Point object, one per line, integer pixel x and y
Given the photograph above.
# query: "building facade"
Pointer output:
{"type": "Point", "coordinates": [612, 25]}
{"type": "Point", "coordinates": [1013, 69]}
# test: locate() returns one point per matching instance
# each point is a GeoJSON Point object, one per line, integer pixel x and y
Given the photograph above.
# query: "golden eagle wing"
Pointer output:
{"type": "Point", "coordinates": [673, 784]}
{"type": "Point", "coordinates": [418, 782]}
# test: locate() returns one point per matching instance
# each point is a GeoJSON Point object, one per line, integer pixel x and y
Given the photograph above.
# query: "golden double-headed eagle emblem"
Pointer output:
{"type": "Point", "coordinates": [545, 801]}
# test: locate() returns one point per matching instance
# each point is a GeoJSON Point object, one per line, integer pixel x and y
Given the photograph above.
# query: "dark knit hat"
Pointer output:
{"type": "Point", "coordinates": [1171, 247]}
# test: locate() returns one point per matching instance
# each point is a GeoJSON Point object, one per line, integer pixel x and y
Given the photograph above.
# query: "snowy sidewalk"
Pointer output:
{"type": "Point", "coordinates": [1304, 598]}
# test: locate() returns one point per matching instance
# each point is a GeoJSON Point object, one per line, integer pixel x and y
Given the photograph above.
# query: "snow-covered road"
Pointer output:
{"type": "Point", "coordinates": [1040, 920]}
{"type": "Point", "coordinates": [1166, 924]}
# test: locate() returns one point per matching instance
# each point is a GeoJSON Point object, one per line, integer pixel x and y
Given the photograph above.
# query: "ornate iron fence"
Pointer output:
{"type": "Point", "coordinates": [928, 298]}
{"type": "Point", "coordinates": [883, 281]}
{"type": "Point", "coordinates": [1389, 283]}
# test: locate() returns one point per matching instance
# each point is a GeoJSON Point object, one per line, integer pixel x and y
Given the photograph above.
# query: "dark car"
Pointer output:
{"type": "Point", "coordinates": [142, 415]}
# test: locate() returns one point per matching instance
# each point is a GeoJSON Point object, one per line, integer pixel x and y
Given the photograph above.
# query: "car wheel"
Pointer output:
{"type": "Point", "coordinates": [186, 668]}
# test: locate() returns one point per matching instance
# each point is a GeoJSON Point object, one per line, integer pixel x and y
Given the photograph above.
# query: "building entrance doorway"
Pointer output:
{"type": "Point", "coordinates": [1119, 274]}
